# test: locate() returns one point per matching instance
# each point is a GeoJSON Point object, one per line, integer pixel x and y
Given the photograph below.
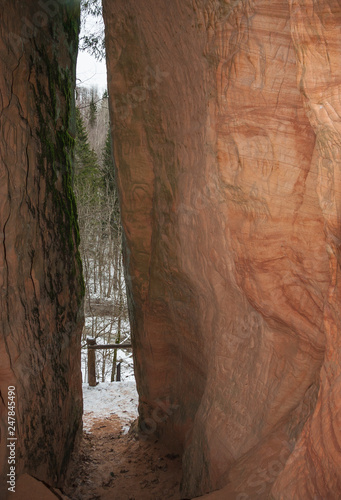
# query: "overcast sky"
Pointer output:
{"type": "Point", "coordinates": [89, 71]}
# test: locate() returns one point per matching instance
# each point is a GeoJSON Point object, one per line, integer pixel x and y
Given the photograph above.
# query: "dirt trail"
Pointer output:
{"type": "Point", "coordinates": [111, 465]}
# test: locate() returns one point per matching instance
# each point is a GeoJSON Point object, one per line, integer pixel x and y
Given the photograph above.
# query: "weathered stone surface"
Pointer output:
{"type": "Point", "coordinates": [226, 131]}
{"type": "Point", "coordinates": [41, 285]}
{"type": "Point", "coordinates": [28, 488]}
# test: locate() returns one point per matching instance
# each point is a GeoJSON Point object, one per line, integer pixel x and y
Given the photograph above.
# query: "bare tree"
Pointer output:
{"type": "Point", "coordinates": [101, 233]}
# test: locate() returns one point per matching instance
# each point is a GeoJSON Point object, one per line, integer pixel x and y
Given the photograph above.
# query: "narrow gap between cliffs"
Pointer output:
{"type": "Point", "coordinates": [114, 459]}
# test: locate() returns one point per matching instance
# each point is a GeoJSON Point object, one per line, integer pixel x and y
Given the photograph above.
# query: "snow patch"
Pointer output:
{"type": "Point", "coordinates": [110, 398]}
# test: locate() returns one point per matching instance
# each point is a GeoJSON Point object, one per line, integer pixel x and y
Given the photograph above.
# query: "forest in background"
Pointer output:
{"type": "Point", "coordinates": [106, 316]}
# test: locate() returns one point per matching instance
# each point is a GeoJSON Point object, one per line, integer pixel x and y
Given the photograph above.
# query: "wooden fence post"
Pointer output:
{"type": "Point", "coordinates": [118, 372]}
{"type": "Point", "coordinates": [91, 362]}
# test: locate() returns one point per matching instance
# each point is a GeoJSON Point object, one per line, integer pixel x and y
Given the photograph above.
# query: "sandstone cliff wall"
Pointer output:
{"type": "Point", "coordinates": [226, 127]}
{"type": "Point", "coordinates": [41, 285]}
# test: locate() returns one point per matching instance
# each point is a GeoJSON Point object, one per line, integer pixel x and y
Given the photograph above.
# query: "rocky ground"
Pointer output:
{"type": "Point", "coordinates": [113, 464]}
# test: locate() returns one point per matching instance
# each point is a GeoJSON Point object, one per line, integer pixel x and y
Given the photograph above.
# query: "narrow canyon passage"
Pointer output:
{"type": "Point", "coordinates": [114, 465]}
{"type": "Point", "coordinates": [225, 125]}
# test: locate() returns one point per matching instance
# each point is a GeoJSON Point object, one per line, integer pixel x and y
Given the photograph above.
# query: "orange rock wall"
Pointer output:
{"type": "Point", "coordinates": [41, 286]}
{"type": "Point", "coordinates": [225, 120]}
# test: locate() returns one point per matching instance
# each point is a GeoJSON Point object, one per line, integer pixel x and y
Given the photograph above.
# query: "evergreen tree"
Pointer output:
{"type": "Point", "coordinates": [86, 164]}
{"type": "Point", "coordinates": [93, 108]}
{"type": "Point", "coordinates": [93, 42]}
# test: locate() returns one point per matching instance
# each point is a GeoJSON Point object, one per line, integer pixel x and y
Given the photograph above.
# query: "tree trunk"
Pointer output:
{"type": "Point", "coordinates": [41, 279]}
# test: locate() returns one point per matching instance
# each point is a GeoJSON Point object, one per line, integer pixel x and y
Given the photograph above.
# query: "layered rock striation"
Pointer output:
{"type": "Point", "coordinates": [41, 285]}
{"type": "Point", "coordinates": [226, 127]}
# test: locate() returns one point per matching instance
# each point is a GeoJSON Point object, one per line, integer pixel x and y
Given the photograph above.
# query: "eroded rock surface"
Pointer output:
{"type": "Point", "coordinates": [226, 127]}
{"type": "Point", "coordinates": [41, 285]}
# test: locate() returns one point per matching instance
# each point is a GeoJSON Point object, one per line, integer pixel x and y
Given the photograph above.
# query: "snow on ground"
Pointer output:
{"type": "Point", "coordinates": [110, 398]}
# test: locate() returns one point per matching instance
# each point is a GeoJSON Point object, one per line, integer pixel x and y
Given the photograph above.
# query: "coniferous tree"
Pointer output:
{"type": "Point", "coordinates": [93, 42]}
{"type": "Point", "coordinates": [86, 165]}
{"type": "Point", "coordinates": [101, 234]}
{"type": "Point", "coordinates": [93, 112]}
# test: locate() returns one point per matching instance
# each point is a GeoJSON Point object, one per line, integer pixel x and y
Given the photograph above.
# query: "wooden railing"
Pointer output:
{"type": "Point", "coordinates": [92, 346]}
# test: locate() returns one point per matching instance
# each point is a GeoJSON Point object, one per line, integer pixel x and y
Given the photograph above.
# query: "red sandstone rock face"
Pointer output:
{"type": "Point", "coordinates": [40, 273]}
{"type": "Point", "coordinates": [226, 129]}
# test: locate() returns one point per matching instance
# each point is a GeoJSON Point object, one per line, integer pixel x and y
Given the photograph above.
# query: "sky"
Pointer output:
{"type": "Point", "coordinates": [91, 72]}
